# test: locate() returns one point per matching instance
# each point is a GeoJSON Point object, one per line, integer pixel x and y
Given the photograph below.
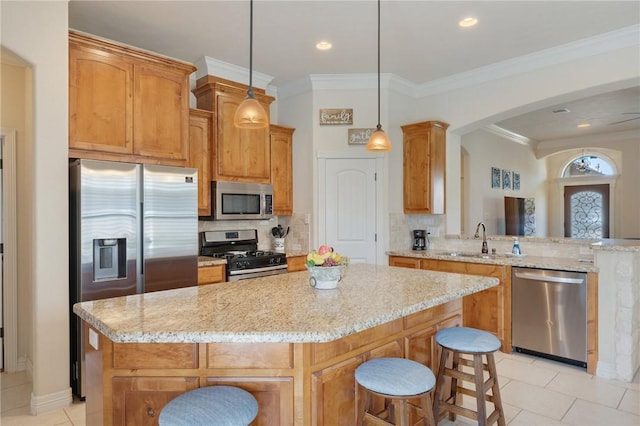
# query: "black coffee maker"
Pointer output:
{"type": "Point", "coordinates": [419, 239]}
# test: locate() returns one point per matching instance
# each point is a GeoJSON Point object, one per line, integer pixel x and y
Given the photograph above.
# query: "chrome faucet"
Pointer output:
{"type": "Point", "coordinates": [485, 248]}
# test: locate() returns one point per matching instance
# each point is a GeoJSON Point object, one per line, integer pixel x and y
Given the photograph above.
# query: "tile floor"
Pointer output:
{"type": "Point", "coordinates": [534, 391]}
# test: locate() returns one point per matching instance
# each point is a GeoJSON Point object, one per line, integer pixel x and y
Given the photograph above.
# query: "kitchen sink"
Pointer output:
{"type": "Point", "coordinates": [476, 255]}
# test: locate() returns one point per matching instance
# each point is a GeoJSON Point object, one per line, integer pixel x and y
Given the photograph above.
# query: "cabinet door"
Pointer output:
{"type": "Point", "coordinates": [100, 105]}
{"type": "Point", "coordinates": [160, 112]}
{"type": "Point", "coordinates": [420, 347]}
{"type": "Point", "coordinates": [333, 394]}
{"type": "Point", "coordinates": [296, 263]}
{"type": "Point", "coordinates": [211, 274]}
{"type": "Point", "coordinates": [200, 123]}
{"type": "Point", "coordinates": [404, 262]}
{"type": "Point", "coordinates": [242, 154]}
{"type": "Point", "coordinates": [282, 170]}
{"type": "Point", "coordinates": [137, 401]}
{"type": "Point", "coordinates": [424, 159]}
{"type": "Point", "coordinates": [274, 396]}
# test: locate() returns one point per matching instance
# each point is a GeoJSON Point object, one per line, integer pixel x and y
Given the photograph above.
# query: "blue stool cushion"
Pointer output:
{"type": "Point", "coordinates": [211, 405]}
{"type": "Point", "coordinates": [465, 339]}
{"type": "Point", "coordinates": [395, 376]}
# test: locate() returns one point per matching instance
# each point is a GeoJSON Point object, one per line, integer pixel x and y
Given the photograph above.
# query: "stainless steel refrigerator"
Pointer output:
{"type": "Point", "coordinates": [133, 229]}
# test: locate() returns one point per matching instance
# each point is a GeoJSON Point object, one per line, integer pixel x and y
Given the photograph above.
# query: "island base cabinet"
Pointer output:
{"type": "Point", "coordinates": [295, 384]}
{"type": "Point", "coordinates": [137, 401]}
{"type": "Point", "coordinates": [274, 396]}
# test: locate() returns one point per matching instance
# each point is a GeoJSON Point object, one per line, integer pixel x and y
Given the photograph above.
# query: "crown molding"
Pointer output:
{"type": "Point", "coordinates": [363, 81]}
{"type": "Point", "coordinates": [512, 136]}
{"type": "Point", "coordinates": [607, 42]}
{"type": "Point", "coordinates": [211, 66]}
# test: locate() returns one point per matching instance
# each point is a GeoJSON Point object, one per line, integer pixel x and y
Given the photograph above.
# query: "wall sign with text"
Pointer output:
{"type": "Point", "coordinates": [336, 116]}
{"type": "Point", "coordinates": [359, 136]}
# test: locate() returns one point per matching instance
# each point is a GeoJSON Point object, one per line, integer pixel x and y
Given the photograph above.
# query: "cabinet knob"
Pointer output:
{"type": "Point", "coordinates": [151, 412]}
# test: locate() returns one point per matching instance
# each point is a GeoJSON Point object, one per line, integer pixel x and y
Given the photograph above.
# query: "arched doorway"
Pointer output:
{"type": "Point", "coordinates": [587, 202]}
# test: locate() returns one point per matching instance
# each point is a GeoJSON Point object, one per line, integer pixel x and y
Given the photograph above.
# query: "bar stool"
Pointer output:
{"type": "Point", "coordinates": [464, 340]}
{"type": "Point", "coordinates": [211, 405]}
{"type": "Point", "coordinates": [397, 380]}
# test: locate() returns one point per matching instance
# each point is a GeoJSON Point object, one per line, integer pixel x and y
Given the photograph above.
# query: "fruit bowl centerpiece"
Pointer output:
{"type": "Point", "coordinates": [325, 267]}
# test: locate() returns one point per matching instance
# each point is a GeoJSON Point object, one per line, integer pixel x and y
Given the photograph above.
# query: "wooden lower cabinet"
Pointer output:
{"type": "Point", "coordinates": [274, 396]}
{"type": "Point", "coordinates": [296, 263]}
{"type": "Point", "coordinates": [488, 310]}
{"type": "Point", "coordinates": [301, 384]}
{"type": "Point", "coordinates": [211, 274]}
{"type": "Point", "coordinates": [138, 400]}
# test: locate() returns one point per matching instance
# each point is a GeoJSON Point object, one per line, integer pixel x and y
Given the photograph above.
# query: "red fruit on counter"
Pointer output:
{"type": "Point", "coordinates": [323, 249]}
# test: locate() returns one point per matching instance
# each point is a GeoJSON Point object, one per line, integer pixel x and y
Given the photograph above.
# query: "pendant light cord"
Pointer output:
{"type": "Point", "coordinates": [379, 126]}
{"type": "Point", "coordinates": [250, 92]}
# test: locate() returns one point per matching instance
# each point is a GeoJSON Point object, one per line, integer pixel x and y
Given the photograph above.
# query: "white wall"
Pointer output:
{"type": "Point", "coordinates": [17, 115]}
{"type": "Point", "coordinates": [37, 32]}
{"type": "Point", "coordinates": [472, 106]}
{"type": "Point", "coordinates": [486, 204]}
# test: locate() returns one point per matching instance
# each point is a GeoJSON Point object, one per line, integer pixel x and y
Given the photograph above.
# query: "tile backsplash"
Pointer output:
{"type": "Point", "coordinates": [296, 240]}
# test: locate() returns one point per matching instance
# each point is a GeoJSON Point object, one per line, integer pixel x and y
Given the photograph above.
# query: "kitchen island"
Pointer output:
{"type": "Point", "coordinates": [293, 347]}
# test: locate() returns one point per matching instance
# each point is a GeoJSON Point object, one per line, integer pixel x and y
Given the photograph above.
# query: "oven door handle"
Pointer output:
{"type": "Point", "coordinates": [262, 269]}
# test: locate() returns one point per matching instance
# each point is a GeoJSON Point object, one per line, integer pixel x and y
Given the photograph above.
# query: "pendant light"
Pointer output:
{"type": "Point", "coordinates": [379, 141]}
{"type": "Point", "coordinates": [583, 165]}
{"type": "Point", "coordinates": [250, 114]}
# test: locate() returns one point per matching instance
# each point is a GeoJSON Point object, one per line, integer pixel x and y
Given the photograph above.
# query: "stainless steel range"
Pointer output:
{"type": "Point", "coordinates": [240, 249]}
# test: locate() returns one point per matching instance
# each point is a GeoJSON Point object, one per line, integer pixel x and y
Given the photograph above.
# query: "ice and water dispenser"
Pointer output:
{"type": "Point", "coordinates": [109, 258]}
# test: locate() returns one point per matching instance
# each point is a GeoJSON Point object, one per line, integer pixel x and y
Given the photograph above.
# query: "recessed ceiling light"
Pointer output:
{"type": "Point", "coordinates": [323, 45]}
{"type": "Point", "coordinates": [468, 22]}
{"type": "Point", "coordinates": [583, 125]}
{"type": "Point", "coordinates": [561, 111]}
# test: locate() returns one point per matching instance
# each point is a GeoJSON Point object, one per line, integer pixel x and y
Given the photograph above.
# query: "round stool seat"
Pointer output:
{"type": "Point", "coordinates": [470, 340]}
{"type": "Point", "coordinates": [211, 405]}
{"type": "Point", "coordinates": [395, 376]}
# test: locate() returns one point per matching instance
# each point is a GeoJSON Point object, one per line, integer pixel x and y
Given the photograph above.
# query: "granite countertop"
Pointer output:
{"type": "Point", "coordinates": [279, 308]}
{"type": "Point", "coordinates": [525, 261]}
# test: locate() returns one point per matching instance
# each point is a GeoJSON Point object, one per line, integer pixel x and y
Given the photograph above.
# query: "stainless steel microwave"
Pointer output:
{"type": "Point", "coordinates": [239, 200]}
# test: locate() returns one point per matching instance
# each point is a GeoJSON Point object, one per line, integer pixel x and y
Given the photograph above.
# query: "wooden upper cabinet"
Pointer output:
{"type": "Point", "coordinates": [282, 169]}
{"type": "Point", "coordinates": [424, 158]}
{"type": "Point", "coordinates": [100, 93]}
{"type": "Point", "coordinates": [241, 155]}
{"type": "Point", "coordinates": [200, 129]}
{"type": "Point", "coordinates": [160, 112]}
{"type": "Point", "coordinates": [126, 104]}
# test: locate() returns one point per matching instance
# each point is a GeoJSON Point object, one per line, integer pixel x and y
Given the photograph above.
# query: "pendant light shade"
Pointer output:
{"type": "Point", "coordinates": [379, 141]}
{"type": "Point", "coordinates": [250, 114]}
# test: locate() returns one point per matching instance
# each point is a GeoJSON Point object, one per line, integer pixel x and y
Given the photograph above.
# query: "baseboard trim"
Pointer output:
{"type": "Point", "coordinates": [52, 401]}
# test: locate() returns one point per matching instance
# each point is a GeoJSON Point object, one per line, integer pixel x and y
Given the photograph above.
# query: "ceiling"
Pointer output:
{"type": "Point", "coordinates": [420, 41]}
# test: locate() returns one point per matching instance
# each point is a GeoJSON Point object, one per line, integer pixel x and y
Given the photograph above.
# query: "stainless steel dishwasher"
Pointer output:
{"type": "Point", "coordinates": [549, 314]}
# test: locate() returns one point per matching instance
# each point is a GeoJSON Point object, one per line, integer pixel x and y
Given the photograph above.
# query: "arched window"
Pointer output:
{"type": "Point", "coordinates": [589, 165]}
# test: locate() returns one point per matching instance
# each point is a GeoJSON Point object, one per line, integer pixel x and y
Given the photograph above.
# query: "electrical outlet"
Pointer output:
{"type": "Point", "coordinates": [307, 218]}
{"type": "Point", "coordinates": [433, 231]}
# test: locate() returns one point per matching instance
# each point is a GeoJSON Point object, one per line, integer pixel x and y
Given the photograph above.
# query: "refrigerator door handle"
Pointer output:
{"type": "Point", "coordinates": [141, 235]}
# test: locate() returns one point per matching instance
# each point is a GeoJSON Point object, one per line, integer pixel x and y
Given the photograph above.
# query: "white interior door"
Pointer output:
{"type": "Point", "coordinates": [349, 208]}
